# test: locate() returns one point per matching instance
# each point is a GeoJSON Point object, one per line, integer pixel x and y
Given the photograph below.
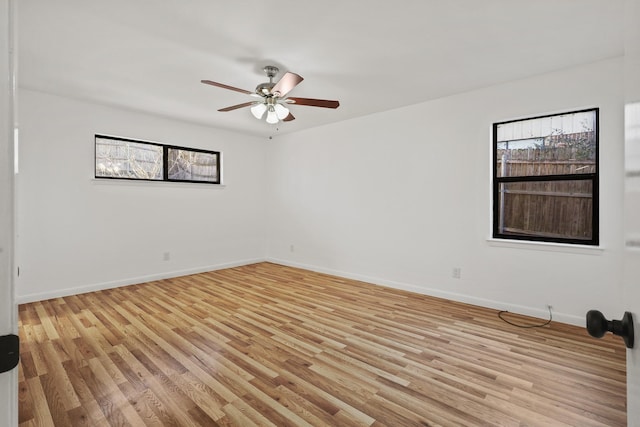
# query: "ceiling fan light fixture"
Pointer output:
{"type": "Point", "coordinates": [281, 111]}
{"type": "Point", "coordinates": [272, 117]}
{"type": "Point", "coordinates": [258, 110]}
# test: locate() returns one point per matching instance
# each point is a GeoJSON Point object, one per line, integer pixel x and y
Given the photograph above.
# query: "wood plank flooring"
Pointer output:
{"type": "Point", "coordinates": [276, 346]}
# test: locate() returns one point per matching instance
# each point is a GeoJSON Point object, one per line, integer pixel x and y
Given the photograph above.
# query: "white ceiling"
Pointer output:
{"type": "Point", "coordinates": [150, 55]}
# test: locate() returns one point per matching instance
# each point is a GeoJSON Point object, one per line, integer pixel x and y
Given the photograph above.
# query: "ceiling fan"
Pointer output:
{"type": "Point", "coordinates": [274, 100]}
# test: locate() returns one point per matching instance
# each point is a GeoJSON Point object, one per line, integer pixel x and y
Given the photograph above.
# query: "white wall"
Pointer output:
{"type": "Point", "coordinates": [78, 234]}
{"type": "Point", "coordinates": [401, 198]}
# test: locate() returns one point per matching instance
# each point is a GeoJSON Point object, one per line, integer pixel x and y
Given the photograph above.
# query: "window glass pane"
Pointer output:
{"type": "Point", "coordinates": [550, 209]}
{"type": "Point", "coordinates": [557, 145]}
{"type": "Point", "coordinates": [187, 165]}
{"type": "Point", "coordinates": [117, 158]}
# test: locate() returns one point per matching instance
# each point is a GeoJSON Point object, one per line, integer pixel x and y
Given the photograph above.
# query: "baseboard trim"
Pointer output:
{"type": "Point", "coordinates": [496, 305]}
{"type": "Point", "coordinates": [58, 293]}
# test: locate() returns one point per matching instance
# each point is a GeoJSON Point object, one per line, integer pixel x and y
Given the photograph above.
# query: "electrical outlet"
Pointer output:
{"type": "Point", "coordinates": [549, 307]}
{"type": "Point", "coordinates": [166, 256]}
{"type": "Point", "coordinates": [456, 272]}
{"type": "Point", "coordinates": [292, 248]}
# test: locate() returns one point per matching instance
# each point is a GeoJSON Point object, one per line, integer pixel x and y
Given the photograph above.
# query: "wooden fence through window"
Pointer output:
{"type": "Point", "coordinates": [562, 208]}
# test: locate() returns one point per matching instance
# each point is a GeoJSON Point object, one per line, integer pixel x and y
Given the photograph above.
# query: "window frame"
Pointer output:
{"type": "Point", "coordinates": [165, 161]}
{"type": "Point", "coordinates": [594, 178]}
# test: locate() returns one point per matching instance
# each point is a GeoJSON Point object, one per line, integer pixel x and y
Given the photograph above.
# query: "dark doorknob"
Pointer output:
{"type": "Point", "coordinates": [598, 325]}
{"type": "Point", "coordinates": [9, 352]}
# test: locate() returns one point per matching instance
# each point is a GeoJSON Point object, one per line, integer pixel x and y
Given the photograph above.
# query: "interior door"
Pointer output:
{"type": "Point", "coordinates": [8, 319]}
{"type": "Point", "coordinates": [632, 202]}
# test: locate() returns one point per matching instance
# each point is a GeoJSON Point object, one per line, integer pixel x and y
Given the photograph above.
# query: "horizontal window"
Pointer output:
{"type": "Point", "coordinates": [123, 158]}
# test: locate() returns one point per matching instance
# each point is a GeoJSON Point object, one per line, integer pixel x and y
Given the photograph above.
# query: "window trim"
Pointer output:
{"type": "Point", "coordinates": [593, 177]}
{"type": "Point", "coordinates": [165, 161]}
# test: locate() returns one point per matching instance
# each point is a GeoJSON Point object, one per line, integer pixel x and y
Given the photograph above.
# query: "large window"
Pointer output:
{"type": "Point", "coordinates": [545, 178]}
{"type": "Point", "coordinates": [130, 159]}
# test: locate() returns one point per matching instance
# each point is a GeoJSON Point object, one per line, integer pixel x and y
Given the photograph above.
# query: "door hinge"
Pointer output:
{"type": "Point", "coordinates": [9, 352]}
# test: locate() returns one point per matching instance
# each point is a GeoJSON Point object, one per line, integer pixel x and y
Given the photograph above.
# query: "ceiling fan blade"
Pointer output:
{"type": "Point", "coordinates": [286, 83]}
{"type": "Point", "coordinates": [288, 118]}
{"type": "Point", "coordinates": [235, 107]}
{"type": "Point", "coordinates": [224, 86]}
{"type": "Point", "coordinates": [325, 103]}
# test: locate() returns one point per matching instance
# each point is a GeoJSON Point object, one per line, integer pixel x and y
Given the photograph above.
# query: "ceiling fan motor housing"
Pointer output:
{"type": "Point", "coordinates": [264, 89]}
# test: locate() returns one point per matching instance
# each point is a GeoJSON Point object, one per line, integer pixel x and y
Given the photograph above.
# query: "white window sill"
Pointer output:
{"type": "Point", "coordinates": [546, 246]}
{"type": "Point", "coordinates": [141, 182]}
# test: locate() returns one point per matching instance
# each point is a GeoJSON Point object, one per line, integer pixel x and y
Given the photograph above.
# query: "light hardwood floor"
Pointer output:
{"type": "Point", "coordinates": [276, 346]}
